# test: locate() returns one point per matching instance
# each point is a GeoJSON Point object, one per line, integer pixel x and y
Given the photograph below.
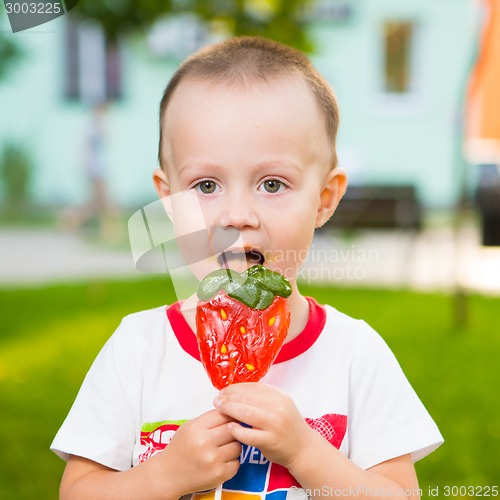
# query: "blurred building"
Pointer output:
{"type": "Point", "coordinates": [399, 70]}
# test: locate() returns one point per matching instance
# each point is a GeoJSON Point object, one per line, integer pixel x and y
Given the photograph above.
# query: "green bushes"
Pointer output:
{"type": "Point", "coordinates": [16, 170]}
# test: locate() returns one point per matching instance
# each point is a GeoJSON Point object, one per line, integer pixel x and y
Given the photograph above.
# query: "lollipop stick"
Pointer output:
{"type": "Point", "coordinates": [218, 492]}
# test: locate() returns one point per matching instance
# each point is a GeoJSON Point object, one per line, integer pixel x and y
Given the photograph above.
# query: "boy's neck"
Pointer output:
{"type": "Point", "coordinates": [299, 309]}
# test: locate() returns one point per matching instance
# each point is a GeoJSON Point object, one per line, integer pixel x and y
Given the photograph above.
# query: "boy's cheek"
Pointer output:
{"type": "Point", "coordinates": [191, 230]}
{"type": "Point", "coordinates": [186, 213]}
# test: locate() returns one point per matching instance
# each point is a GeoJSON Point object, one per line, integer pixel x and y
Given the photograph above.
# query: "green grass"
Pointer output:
{"type": "Point", "coordinates": [49, 337]}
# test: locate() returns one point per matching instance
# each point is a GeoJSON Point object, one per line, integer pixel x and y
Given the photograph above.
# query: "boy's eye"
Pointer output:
{"type": "Point", "coordinates": [206, 187]}
{"type": "Point", "coordinates": [273, 186]}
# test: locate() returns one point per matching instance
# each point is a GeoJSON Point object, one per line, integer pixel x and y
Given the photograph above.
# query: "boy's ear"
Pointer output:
{"type": "Point", "coordinates": [161, 182]}
{"type": "Point", "coordinates": [333, 190]}
{"type": "Point", "coordinates": [162, 186]}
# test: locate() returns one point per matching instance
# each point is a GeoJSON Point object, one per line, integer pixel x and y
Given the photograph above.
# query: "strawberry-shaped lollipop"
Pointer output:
{"type": "Point", "coordinates": [241, 323]}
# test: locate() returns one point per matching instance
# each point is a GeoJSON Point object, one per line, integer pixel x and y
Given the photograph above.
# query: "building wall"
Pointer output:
{"type": "Point", "coordinates": [401, 139]}
{"type": "Point", "coordinates": [33, 110]}
{"type": "Point", "coordinates": [383, 139]}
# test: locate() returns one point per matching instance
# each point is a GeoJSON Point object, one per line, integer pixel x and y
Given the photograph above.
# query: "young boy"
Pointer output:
{"type": "Point", "coordinates": [247, 130]}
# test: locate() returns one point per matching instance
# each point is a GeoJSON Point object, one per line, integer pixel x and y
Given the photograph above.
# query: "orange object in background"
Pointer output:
{"type": "Point", "coordinates": [482, 127]}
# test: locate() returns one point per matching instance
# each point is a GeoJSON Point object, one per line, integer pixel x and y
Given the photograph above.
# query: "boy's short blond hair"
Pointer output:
{"type": "Point", "coordinates": [245, 59]}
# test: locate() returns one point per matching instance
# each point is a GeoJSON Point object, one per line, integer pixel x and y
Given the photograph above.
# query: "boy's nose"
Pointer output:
{"type": "Point", "coordinates": [239, 213]}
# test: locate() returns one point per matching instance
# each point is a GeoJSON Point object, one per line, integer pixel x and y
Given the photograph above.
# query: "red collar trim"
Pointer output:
{"type": "Point", "coordinates": [315, 324]}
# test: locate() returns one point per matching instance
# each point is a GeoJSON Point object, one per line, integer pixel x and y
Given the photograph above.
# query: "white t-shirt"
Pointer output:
{"type": "Point", "coordinates": [148, 380]}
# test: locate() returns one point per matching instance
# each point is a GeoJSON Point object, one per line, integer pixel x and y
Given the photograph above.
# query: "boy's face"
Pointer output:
{"type": "Point", "coordinates": [255, 159]}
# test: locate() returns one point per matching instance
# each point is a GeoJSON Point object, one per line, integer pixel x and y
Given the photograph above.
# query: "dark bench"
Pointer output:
{"type": "Point", "coordinates": [378, 207]}
{"type": "Point", "coordinates": [488, 203]}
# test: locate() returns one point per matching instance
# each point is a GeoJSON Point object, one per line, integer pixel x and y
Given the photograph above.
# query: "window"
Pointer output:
{"type": "Point", "coordinates": [398, 42]}
{"type": "Point", "coordinates": [91, 64]}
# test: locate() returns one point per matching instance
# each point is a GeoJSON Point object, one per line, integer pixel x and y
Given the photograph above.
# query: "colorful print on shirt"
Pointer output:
{"type": "Point", "coordinates": [156, 435]}
{"type": "Point", "coordinates": [257, 478]}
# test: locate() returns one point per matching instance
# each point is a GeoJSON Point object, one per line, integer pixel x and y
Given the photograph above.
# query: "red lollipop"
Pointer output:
{"type": "Point", "coordinates": [241, 323]}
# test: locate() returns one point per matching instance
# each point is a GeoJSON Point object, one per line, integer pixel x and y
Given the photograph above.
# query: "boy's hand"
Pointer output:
{"type": "Point", "coordinates": [276, 426]}
{"type": "Point", "coordinates": [201, 455]}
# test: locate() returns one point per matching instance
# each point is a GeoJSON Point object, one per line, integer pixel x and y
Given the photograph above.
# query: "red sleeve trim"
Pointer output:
{"type": "Point", "coordinates": [185, 336]}
{"type": "Point", "coordinates": [306, 339]}
{"type": "Point", "coordinates": [308, 336]}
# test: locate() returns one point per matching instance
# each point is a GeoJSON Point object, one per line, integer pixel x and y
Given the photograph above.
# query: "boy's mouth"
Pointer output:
{"type": "Point", "coordinates": [249, 257]}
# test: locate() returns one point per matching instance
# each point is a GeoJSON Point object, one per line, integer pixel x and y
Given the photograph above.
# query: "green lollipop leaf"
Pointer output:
{"type": "Point", "coordinates": [256, 287]}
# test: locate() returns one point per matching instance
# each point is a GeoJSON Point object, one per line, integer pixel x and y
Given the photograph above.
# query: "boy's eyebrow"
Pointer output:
{"type": "Point", "coordinates": [281, 162]}
{"type": "Point", "coordinates": [198, 165]}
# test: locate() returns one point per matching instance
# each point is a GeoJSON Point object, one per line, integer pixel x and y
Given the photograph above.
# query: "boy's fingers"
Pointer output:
{"type": "Point", "coordinates": [244, 398]}
{"type": "Point", "coordinates": [254, 404]}
{"type": "Point", "coordinates": [256, 416]}
{"type": "Point", "coordinates": [231, 451]}
{"type": "Point", "coordinates": [247, 435]}
{"type": "Point", "coordinates": [252, 393]}
{"type": "Point", "coordinates": [214, 418]}
{"type": "Point", "coordinates": [220, 435]}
